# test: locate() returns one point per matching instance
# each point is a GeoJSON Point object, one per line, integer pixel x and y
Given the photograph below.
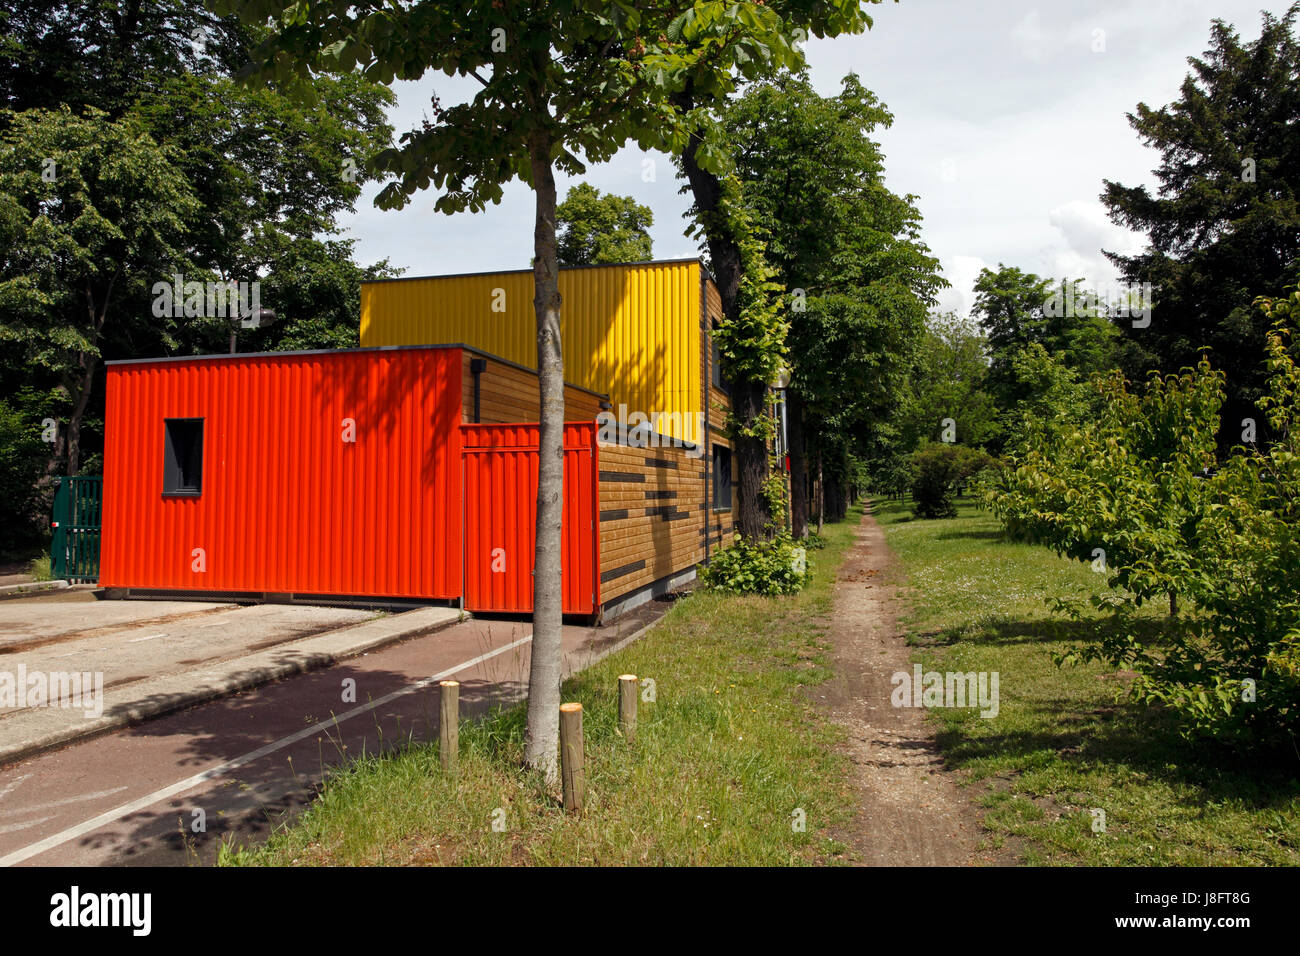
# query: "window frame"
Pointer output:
{"type": "Point", "coordinates": [717, 473]}
{"type": "Point", "coordinates": [173, 468]}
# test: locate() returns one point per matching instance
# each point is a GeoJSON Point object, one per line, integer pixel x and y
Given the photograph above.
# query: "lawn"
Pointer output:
{"type": "Point", "coordinates": [1066, 743]}
{"type": "Point", "coordinates": [723, 759]}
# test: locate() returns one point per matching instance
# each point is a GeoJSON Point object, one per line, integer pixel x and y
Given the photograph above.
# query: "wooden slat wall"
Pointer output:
{"type": "Point", "coordinates": [651, 516]}
{"type": "Point", "coordinates": [509, 394]}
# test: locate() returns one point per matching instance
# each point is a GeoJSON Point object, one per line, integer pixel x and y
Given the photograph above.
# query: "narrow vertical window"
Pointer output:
{"type": "Point", "coordinates": [721, 478]}
{"type": "Point", "coordinates": [716, 362]}
{"type": "Point", "coordinates": [183, 456]}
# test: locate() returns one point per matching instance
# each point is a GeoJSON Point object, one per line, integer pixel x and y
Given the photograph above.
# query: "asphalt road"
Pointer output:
{"type": "Point", "coordinates": [242, 763]}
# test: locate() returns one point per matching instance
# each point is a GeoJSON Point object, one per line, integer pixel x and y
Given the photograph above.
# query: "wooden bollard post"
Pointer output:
{"type": "Point", "coordinates": [449, 724]}
{"type": "Point", "coordinates": [627, 705]}
{"type": "Point", "coordinates": [573, 771]}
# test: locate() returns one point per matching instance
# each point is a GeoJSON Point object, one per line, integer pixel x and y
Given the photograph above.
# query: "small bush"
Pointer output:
{"type": "Point", "coordinates": [778, 566]}
{"type": "Point", "coordinates": [939, 472]}
{"type": "Point", "coordinates": [812, 541]}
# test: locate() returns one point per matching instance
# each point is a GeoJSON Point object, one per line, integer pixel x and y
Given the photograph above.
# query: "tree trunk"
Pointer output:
{"type": "Point", "coordinates": [821, 494]}
{"type": "Point", "coordinates": [798, 464]}
{"type": "Point", "coordinates": [748, 399]}
{"type": "Point", "coordinates": [543, 730]}
{"type": "Point", "coordinates": [80, 403]}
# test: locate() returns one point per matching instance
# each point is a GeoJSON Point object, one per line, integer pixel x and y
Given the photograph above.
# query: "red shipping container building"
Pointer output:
{"type": "Point", "coordinates": [339, 473]}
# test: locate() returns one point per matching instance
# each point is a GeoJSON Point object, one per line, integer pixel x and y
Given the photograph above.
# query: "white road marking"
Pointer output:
{"type": "Point", "coordinates": [15, 827]}
{"type": "Point", "coordinates": [64, 802]}
{"type": "Point", "coordinates": [135, 806]}
{"type": "Point", "coordinates": [147, 637]}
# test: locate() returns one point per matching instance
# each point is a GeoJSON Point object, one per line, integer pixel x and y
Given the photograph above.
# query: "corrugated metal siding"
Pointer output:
{"type": "Point", "coordinates": [287, 505]}
{"type": "Point", "coordinates": [629, 331]}
{"type": "Point", "coordinates": [500, 517]}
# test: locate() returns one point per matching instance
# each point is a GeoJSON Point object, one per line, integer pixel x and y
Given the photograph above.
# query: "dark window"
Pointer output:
{"type": "Point", "coordinates": [183, 456]}
{"type": "Point", "coordinates": [718, 380]}
{"type": "Point", "coordinates": [721, 478]}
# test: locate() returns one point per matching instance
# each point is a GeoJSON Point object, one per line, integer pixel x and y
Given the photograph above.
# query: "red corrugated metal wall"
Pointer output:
{"type": "Point", "coordinates": [500, 517]}
{"type": "Point", "coordinates": [287, 505]}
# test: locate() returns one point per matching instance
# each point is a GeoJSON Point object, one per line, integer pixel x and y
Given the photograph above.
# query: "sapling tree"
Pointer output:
{"type": "Point", "coordinates": [1136, 489]}
{"type": "Point", "coordinates": [559, 87]}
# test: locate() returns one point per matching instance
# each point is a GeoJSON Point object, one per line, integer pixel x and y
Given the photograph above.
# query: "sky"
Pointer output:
{"type": "Point", "coordinates": [1008, 117]}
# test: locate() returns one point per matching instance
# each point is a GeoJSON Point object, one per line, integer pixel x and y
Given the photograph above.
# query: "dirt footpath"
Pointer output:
{"type": "Point", "coordinates": [911, 811]}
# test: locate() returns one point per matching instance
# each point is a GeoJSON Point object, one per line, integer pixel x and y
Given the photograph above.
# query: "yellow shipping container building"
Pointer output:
{"type": "Point", "coordinates": [633, 332]}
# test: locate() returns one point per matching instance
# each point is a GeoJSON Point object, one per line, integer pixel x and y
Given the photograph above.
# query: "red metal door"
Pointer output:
{"type": "Point", "coordinates": [500, 482]}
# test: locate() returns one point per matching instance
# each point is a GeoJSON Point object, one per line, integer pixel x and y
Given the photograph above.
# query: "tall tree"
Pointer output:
{"type": "Point", "coordinates": [270, 174]}
{"type": "Point", "coordinates": [89, 207]}
{"type": "Point", "coordinates": [264, 178]}
{"type": "Point", "coordinates": [596, 228]}
{"type": "Point", "coordinates": [947, 396]}
{"type": "Point", "coordinates": [1019, 310]}
{"type": "Point", "coordinates": [1224, 223]}
{"type": "Point", "coordinates": [729, 43]}
{"type": "Point", "coordinates": [107, 53]}
{"type": "Point", "coordinates": [847, 253]}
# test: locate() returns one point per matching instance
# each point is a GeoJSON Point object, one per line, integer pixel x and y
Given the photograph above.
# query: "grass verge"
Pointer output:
{"type": "Point", "coordinates": [724, 757]}
{"type": "Point", "coordinates": [1066, 743]}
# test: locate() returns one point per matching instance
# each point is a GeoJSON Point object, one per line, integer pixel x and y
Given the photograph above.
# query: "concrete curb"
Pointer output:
{"type": "Point", "coordinates": [33, 587]}
{"type": "Point", "coordinates": [37, 730]}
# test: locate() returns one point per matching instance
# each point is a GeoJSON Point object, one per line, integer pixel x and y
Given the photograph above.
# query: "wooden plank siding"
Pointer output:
{"type": "Point", "coordinates": [651, 515]}
{"type": "Point", "coordinates": [508, 394]}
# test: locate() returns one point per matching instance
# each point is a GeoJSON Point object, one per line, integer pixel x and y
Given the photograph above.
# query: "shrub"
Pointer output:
{"type": "Point", "coordinates": [939, 473]}
{"type": "Point", "coordinates": [1138, 490]}
{"type": "Point", "coordinates": [778, 566]}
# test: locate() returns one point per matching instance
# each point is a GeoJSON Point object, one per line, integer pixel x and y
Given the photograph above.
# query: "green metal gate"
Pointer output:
{"type": "Point", "coordinates": [74, 550]}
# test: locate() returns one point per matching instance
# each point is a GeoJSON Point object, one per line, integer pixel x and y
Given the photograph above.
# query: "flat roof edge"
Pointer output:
{"type": "Point", "coordinates": [229, 356]}
{"type": "Point", "coordinates": [696, 260]}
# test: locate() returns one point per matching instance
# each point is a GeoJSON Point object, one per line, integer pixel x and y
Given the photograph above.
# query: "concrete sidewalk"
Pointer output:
{"type": "Point", "coordinates": [174, 686]}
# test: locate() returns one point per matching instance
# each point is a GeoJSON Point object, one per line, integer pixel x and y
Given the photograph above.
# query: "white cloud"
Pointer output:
{"type": "Point", "coordinates": [961, 272]}
{"type": "Point", "coordinates": [1086, 230]}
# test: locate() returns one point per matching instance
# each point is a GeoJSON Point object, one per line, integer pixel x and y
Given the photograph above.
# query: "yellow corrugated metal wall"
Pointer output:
{"type": "Point", "coordinates": [631, 331]}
